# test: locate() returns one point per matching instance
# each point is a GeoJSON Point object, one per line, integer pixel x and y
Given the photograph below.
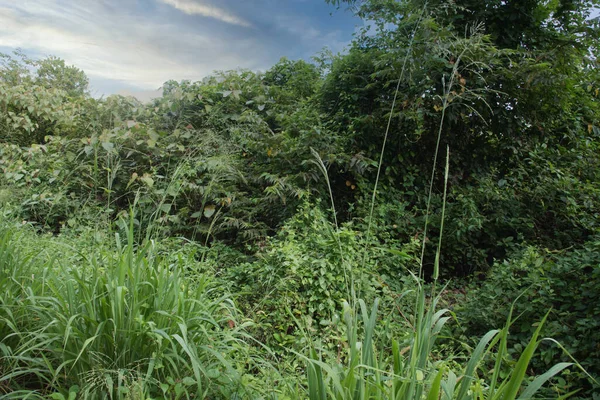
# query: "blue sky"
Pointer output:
{"type": "Point", "coordinates": [133, 46]}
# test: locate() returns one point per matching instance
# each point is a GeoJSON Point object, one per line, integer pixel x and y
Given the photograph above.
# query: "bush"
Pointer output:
{"type": "Point", "coordinates": [565, 282]}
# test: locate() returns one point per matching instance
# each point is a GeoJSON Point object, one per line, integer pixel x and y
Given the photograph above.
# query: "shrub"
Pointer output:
{"type": "Point", "coordinates": [565, 282]}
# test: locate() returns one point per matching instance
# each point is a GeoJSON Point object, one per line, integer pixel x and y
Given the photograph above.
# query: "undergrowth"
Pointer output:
{"type": "Point", "coordinates": [291, 234]}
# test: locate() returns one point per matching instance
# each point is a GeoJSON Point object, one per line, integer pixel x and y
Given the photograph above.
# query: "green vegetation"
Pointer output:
{"type": "Point", "coordinates": [412, 219]}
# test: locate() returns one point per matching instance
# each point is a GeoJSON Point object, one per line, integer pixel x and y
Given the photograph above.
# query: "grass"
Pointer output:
{"type": "Point", "coordinates": [414, 372]}
{"type": "Point", "coordinates": [113, 324]}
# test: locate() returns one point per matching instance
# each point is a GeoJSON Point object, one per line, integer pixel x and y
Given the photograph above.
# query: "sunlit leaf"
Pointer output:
{"type": "Point", "coordinates": [209, 210]}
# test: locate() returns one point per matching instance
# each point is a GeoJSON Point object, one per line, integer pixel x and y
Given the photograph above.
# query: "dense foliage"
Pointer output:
{"type": "Point", "coordinates": [183, 247]}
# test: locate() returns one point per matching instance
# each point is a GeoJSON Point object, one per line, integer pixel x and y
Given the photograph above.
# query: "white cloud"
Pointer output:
{"type": "Point", "coordinates": [142, 95]}
{"type": "Point", "coordinates": [192, 7]}
{"type": "Point", "coordinates": [110, 45]}
{"type": "Point", "coordinates": [127, 44]}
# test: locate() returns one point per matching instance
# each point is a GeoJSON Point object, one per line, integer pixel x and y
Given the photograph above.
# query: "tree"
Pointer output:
{"type": "Point", "coordinates": [33, 94]}
{"type": "Point", "coordinates": [521, 99]}
{"type": "Point", "coordinates": [52, 72]}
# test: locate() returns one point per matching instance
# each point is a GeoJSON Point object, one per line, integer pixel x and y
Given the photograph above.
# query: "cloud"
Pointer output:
{"type": "Point", "coordinates": [312, 38]}
{"type": "Point", "coordinates": [192, 7]}
{"type": "Point", "coordinates": [138, 45]}
{"type": "Point", "coordinates": [142, 95]}
{"type": "Point", "coordinates": [136, 50]}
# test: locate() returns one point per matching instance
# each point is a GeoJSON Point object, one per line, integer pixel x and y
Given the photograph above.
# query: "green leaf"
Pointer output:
{"type": "Point", "coordinates": [540, 380]}
{"type": "Point", "coordinates": [189, 381]}
{"type": "Point", "coordinates": [213, 373]}
{"type": "Point", "coordinates": [209, 210]}
{"type": "Point", "coordinates": [108, 146]}
{"type": "Point", "coordinates": [147, 179]}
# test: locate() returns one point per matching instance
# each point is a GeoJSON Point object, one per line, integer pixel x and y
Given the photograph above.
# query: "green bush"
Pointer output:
{"type": "Point", "coordinates": [303, 275]}
{"type": "Point", "coordinates": [565, 282]}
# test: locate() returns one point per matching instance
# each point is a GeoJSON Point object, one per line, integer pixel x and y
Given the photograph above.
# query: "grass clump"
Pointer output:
{"type": "Point", "coordinates": [113, 324]}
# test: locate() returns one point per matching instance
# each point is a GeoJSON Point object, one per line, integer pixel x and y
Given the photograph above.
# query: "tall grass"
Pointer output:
{"type": "Point", "coordinates": [413, 372]}
{"type": "Point", "coordinates": [120, 324]}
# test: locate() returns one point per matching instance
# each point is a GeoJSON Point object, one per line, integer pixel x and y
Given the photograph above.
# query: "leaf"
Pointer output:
{"type": "Point", "coordinates": [209, 210]}
{"type": "Point", "coordinates": [108, 146]}
{"type": "Point", "coordinates": [540, 380]}
{"type": "Point", "coordinates": [133, 178]}
{"type": "Point", "coordinates": [213, 373]}
{"type": "Point", "coordinates": [188, 381]}
{"type": "Point", "coordinates": [434, 391]}
{"type": "Point", "coordinates": [153, 135]}
{"type": "Point", "coordinates": [147, 179]}
{"type": "Point", "coordinates": [73, 392]}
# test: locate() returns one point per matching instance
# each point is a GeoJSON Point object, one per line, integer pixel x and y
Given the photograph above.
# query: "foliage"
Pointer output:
{"type": "Point", "coordinates": [412, 372]}
{"type": "Point", "coordinates": [224, 182]}
{"type": "Point", "coordinates": [517, 105]}
{"type": "Point", "coordinates": [566, 282]}
{"type": "Point", "coordinates": [113, 324]}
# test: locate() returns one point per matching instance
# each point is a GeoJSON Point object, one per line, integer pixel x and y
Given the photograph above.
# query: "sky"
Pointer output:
{"type": "Point", "coordinates": [134, 46]}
